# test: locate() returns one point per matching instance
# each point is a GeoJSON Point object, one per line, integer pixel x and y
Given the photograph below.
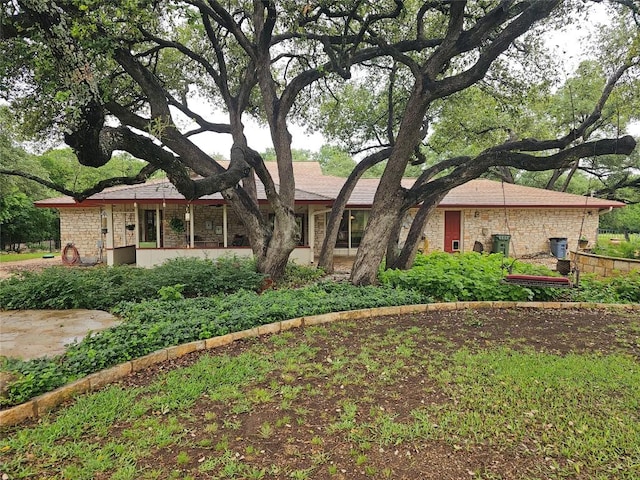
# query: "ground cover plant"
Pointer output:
{"type": "Point", "coordinates": [102, 287]}
{"type": "Point", "coordinates": [482, 394]}
{"type": "Point", "coordinates": [152, 325]}
{"type": "Point", "coordinates": [476, 277]}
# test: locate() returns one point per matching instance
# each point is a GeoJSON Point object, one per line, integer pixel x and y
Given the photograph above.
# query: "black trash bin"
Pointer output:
{"type": "Point", "coordinates": [558, 246]}
{"type": "Point", "coordinates": [500, 244]}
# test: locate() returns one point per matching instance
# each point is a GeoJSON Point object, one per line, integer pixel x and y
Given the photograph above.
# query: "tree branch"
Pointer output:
{"type": "Point", "coordinates": [533, 145]}
{"type": "Point", "coordinates": [141, 177]}
{"type": "Point", "coordinates": [474, 167]}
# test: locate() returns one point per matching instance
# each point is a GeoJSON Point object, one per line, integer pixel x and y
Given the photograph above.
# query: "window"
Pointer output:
{"type": "Point", "coordinates": [359, 220]}
{"type": "Point", "coordinates": [148, 233]}
{"type": "Point", "coordinates": [302, 232]}
{"type": "Point", "coordinates": [352, 228]}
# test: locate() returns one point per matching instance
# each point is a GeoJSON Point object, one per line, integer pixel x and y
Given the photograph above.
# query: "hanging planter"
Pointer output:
{"type": "Point", "coordinates": [583, 242]}
{"type": "Point", "coordinates": [130, 227]}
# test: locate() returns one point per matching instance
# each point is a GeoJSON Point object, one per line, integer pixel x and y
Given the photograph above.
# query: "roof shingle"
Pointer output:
{"type": "Point", "coordinates": [314, 187]}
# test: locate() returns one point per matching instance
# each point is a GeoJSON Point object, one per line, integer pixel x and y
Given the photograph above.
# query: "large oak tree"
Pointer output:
{"type": "Point", "coordinates": [461, 70]}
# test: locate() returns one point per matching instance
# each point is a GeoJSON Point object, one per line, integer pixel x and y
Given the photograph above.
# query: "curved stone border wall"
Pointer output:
{"type": "Point", "coordinates": [604, 266]}
{"type": "Point", "coordinates": [47, 401]}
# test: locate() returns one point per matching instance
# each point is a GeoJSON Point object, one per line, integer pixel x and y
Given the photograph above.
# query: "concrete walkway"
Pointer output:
{"type": "Point", "coordinates": [28, 334]}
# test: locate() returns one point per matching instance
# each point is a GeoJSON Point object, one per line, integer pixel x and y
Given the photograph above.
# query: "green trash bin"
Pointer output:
{"type": "Point", "coordinates": [500, 244]}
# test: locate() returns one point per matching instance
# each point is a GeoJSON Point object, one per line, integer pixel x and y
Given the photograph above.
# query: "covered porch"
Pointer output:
{"type": "Point", "coordinates": [148, 234]}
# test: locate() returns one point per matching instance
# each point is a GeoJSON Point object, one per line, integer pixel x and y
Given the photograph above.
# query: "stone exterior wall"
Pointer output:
{"type": "Point", "coordinates": [82, 227]}
{"type": "Point", "coordinates": [530, 229]}
{"type": "Point", "coordinates": [320, 229]}
{"type": "Point", "coordinates": [604, 266]}
{"type": "Point", "coordinates": [172, 239]}
{"type": "Point", "coordinates": [207, 226]}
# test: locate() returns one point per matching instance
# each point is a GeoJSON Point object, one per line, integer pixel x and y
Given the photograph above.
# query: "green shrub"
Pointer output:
{"type": "Point", "coordinates": [156, 324]}
{"type": "Point", "coordinates": [468, 277]}
{"type": "Point", "coordinates": [298, 275]}
{"type": "Point", "coordinates": [102, 287]}
{"type": "Point", "coordinates": [623, 249]}
{"type": "Point", "coordinates": [620, 289]}
{"type": "Point", "coordinates": [473, 276]}
{"type": "Point", "coordinates": [171, 292]}
{"type": "Point", "coordinates": [61, 288]}
{"type": "Point", "coordinates": [203, 277]}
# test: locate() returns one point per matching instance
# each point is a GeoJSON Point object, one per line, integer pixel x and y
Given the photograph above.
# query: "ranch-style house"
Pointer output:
{"type": "Point", "coordinates": [149, 223]}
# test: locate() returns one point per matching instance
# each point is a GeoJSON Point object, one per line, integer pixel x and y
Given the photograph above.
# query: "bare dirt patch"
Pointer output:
{"type": "Point", "coordinates": [8, 269]}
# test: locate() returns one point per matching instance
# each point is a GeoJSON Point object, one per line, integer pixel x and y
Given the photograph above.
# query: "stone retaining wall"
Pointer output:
{"type": "Point", "coordinates": [604, 266]}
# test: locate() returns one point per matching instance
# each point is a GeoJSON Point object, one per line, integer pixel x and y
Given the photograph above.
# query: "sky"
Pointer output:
{"type": "Point", "coordinates": [258, 136]}
{"type": "Point", "coordinates": [566, 42]}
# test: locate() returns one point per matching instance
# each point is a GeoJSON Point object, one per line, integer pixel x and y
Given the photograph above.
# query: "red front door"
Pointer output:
{"type": "Point", "coordinates": [452, 231]}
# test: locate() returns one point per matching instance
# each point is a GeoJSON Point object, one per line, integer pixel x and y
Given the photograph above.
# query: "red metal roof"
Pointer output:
{"type": "Point", "coordinates": [314, 187]}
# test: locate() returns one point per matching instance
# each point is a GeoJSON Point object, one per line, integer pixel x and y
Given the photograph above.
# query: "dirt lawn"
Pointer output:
{"type": "Point", "coordinates": [7, 269]}
{"type": "Point", "coordinates": [363, 400]}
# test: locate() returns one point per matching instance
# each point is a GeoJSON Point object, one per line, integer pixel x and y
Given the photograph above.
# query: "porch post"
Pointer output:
{"type": "Point", "coordinates": [348, 232]}
{"type": "Point", "coordinates": [311, 230]}
{"type": "Point", "coordinates": [108, 209]}
{"type": "Point", "coordinates": [191, 223]}
{"type": "Point", "coordinates": [224, 225]}
{"type": "Point", "coordinates": [108, 236]}
{"type": "Point", "coordinates": [158, 226]}
{"type": "Point", "coordinates": [137, 222]}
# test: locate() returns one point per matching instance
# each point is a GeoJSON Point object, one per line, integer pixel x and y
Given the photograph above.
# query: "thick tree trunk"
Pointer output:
{"type": "Point", "coordinates": [393, 244]}
{"type": "Point", "coordinates": [273, 261]}
{"type": "Point", "coordinates": [272, 245]}
{"type": "Point", "coordinates": [333, 223]}
{"type": "Point", "coordinates": [374, 242]}
{"type": "Point", "coordinates": [415, 236]}
{"type": "Point", "coordinates": [390, 196]}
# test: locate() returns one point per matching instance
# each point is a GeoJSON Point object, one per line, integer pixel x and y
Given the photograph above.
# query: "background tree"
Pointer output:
{"type": "Point", "coordinates": [20, 221]}
{"type": "Point", "coordinates": [63, 168]}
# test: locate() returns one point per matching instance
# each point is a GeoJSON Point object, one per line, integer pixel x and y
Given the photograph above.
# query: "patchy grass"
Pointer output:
{"type": "Point", "coordinates": [17, 257]}
{"type": "Point", "coordinates": [445, 395]}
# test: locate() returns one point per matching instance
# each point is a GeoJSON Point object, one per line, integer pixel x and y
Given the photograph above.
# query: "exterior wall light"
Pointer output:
{"type": "Point", "coordinates": [103, 222]}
